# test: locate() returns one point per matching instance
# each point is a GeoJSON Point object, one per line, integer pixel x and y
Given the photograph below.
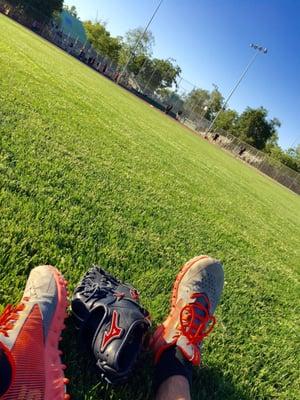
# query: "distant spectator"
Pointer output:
{"type": "Point", "coordinates": [242, 150]}
{"type": "Point", "coordinates": [81, 55]}
{"type": "Point", "coordinates": [178, 115]}
{"type": "Point", "coordinates": [216, 137]}
{"type": "Point", "coordinates": [104, 68]}
{"type": "Point", "coordinates": [91, 61]}
{"type": "Point", "coordinates": [168, 108]}
{"type": "Point", "coordinates": [116, 76]}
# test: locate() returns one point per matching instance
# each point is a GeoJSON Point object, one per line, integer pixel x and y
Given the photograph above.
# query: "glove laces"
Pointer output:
{"type": "Point", "coordinates": [9, 317]}
{"type": "Point", "coordinates": [93, 289]}
{"type": "Point", "coordinates": [195, 321]}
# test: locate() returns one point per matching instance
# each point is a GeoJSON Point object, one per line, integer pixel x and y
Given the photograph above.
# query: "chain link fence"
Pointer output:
{"type": "Point", "coordinates": [171, 102]}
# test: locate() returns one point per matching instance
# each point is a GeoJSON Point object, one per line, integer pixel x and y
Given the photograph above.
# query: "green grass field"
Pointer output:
{"type": "Point", "coordinates": [90, 174]}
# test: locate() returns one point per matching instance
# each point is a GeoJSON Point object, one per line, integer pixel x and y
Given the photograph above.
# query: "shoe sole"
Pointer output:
{"type": "Point", "coordinates": [54, 369]}
{"type": "Point", "coordinates": [180, 276]}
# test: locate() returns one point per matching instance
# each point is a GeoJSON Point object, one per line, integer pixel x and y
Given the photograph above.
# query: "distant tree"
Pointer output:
{"type": "Point", "coordinates": [294, 152]}
{"type": "Point", "coordinates": [227, 120]}
{"type": "Point", "coordinates": [71, 10]}
{"type": "Point", "coordinates": [204, 103]}
{"type": "Point", "coordinates": [254, 128]}
{"type": "Point", "coordinates": [130, 50]}
{"type": "Point", "coordinates": [215, 103]}
{"type": "Point", "coordinates": [101, 40]}
{"type": "Point", "coordinates": [197, 101]}
{"type": "Point", "coordinates": [146, 43]}
{"type": "Point", "coordinates": [165, 93]}
{"type": "Point", "coordinates": [41, 10]}
{"type": "Point", "coordinates": [163, 75]}
{"type": "Point", "coordinates": [141, 66]}
{"type": "Point", "coordinates": [290, 157]}
{"type": "Point", "coordinates": [272, 142]}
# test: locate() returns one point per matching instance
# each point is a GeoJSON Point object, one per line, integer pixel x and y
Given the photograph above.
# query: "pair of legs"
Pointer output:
{"type": "Point", "coordinates": [30, 365]}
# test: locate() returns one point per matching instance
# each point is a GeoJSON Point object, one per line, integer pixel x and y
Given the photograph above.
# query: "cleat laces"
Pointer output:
{"type": "Point", "coordinates": [9, 317]}
{"type": "Point", "coordinates": [195, 321]}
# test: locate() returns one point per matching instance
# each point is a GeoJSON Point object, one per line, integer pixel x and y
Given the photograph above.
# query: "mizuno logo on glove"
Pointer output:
{"type": "Point", "coordinates": [120, 327]}
{"type": "Point", "coordinates": [114, 332]}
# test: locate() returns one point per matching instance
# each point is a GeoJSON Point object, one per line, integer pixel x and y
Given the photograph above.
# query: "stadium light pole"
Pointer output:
{"type": "Point", "coordinates": [141, 37]}
{"type": "Point", "coordinates": [258, 50]}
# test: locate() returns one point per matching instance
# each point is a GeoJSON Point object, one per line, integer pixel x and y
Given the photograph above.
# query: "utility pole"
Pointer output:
{"type": "Point", "coordinates": [132, 54]}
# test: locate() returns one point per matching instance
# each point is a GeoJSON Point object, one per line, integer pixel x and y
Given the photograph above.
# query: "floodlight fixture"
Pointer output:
{"type": "Point", "coordinates": [259, 48]}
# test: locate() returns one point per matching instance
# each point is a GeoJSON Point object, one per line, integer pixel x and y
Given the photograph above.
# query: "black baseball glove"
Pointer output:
{"type": "Point", "coordinates": [111, 322]}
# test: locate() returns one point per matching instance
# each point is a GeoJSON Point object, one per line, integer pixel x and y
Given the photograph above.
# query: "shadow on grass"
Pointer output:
{"type": "Point", "coordinates": [209, 383]}
{"type": "Point", "coordinates": [85, 380]}
{"type": "Point", "coordinates": [86, 384]}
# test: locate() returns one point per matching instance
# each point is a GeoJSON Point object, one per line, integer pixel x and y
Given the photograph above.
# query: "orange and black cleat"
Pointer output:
{"type": "Point", "coordinates": [196, 293]}
{"type": "Point", "coordinates": [30, 365]}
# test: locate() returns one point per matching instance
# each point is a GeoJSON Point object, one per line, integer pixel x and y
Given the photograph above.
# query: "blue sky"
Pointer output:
{"type": "Point", "coordinates": [210, 41]}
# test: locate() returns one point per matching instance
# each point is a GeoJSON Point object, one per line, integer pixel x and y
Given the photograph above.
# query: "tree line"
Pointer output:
{"type": "Point", "coordinates": [251, 126]}
{"type": "Point", "coordinates": [41, 10]}
{"type": "Point", "coordinates": [134, 51]}
{"type": "Point", "coordinates": [161, 76]}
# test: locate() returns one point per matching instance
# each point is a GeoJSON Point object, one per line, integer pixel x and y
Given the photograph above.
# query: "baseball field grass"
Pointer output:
{"type": "Point", "coordinates": [89, 174]}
